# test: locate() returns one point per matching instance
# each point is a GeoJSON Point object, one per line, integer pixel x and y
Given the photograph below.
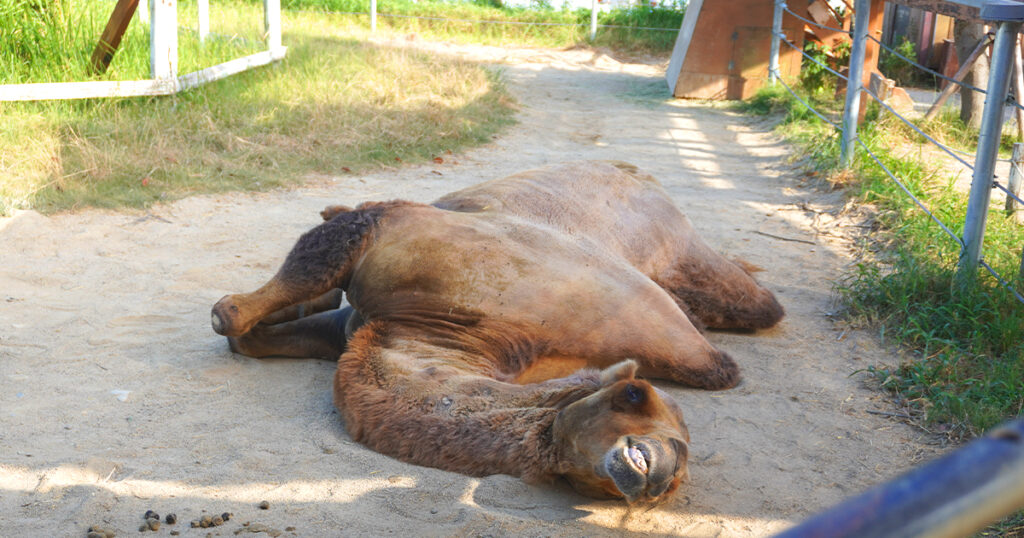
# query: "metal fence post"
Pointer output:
{"type": "Point", "coordinates": [988, 148]}
{"type": "Point", "coordinates": [373, 15]}
{"type": "Point", "coordinates": [854, 81]}
{"type": "Point", "coordinates": [593, 19]}
{"type": "Point", "coordinates": [773, 60]}
{"type": "Point", "coordinates": [163, 39]}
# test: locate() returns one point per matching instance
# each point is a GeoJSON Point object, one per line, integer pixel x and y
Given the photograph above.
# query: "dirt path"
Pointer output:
{"type": "Point", "coordinates": [116, 397]}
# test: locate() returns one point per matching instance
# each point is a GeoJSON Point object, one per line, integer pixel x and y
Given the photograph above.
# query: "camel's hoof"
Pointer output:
{"type": "Point", "coordinates": [224, 318]}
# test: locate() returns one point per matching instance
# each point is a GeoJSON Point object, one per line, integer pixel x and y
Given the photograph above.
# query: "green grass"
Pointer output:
{"type": "Point", "coordinates": [961, 365]}
{"type": "Point", "coordinates": [554, 33]}
{"type": "Point", "coordinates": [332, 105]}
{"type": "Point", "coordinates": [53, 40]}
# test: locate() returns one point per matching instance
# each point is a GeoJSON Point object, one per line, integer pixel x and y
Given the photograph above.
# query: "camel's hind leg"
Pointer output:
{"type": "Point", "coordinates": [721, 294]}
{"type": "Point", "coordinates": [322, 335]}
{"type": "Point", "coordinates": [319, 262]}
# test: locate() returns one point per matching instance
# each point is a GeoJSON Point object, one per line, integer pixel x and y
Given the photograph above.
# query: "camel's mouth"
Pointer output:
{"type": "Point", "coordinates": [637, 455]}
{"type": "Point", "coordinates": [645, 468]}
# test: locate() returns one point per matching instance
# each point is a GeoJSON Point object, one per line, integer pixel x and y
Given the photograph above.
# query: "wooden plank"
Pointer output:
{"type": "Point", "coordinates": [959, 77]}
{"type": "Point", "coordinates": [86, 90]}
{"type": "Point", "coordinates": [226, 69]}
{"type": "Point", "coordinates": [112, 34]}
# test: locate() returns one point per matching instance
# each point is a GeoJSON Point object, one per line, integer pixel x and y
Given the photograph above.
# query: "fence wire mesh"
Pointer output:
{"type": "Point", "coordinates": [952, 152]}
{"type": "Point", "coordinates": [485, 21]}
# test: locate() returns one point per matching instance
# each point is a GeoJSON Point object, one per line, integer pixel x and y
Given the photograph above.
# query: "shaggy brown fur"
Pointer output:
{"type": "Point", "coordinates": [478, 324]}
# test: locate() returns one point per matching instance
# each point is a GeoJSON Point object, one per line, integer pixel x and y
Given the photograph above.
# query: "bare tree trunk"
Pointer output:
{"type": "Point", "coordinates": [967, 36]}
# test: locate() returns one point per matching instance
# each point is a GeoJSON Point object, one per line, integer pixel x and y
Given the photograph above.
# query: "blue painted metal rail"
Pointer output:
{"type": "Point", "coordinates": [955, 495]}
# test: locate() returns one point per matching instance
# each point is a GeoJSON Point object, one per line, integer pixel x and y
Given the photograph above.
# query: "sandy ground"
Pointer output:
{"type": "Point", "coordinates": [116, 396]}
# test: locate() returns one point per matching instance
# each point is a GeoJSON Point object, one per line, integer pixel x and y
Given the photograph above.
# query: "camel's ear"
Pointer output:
{"type": "Point", "coordinates": [332, 211]}
{"type": "Point", "coordinates": [618, 371]}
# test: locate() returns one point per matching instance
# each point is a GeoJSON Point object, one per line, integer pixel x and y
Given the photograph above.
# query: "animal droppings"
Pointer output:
{"type": "Point", "coordinates": [151, 515]}
{"type": "Point", "coordinates": [206, 522]}
{"type": "Point", "coordinates": [95, 535]}
{"type": "Point", "coordinates": [226, 516]}
{"type": "Point", "coordinates": [143, 528]}
{"type": "Point", "coordinates": [171, 519]}
{"type": "Point", "coordinates": [195, 523]}
{"type": "Point", "coordinates": [217, 521]}
{"type": "Point", "coordinates": [154, 524]}
{"type": "Point", "coordinates": [175, 533]}
{"type": "Point", "coordinates": [289, 529]}
{"type": "Point", "coordinates": [264, 505]}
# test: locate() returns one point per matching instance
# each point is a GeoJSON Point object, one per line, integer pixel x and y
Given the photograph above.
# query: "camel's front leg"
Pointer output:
{"type": "Point", "coordinates": [329, 301]}
{"type": "Point", "coordinates": [320, 261]}
{"type": "Point", "coordinates": [320, 336]}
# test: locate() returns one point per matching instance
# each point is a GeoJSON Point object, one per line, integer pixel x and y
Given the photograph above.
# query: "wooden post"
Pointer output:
{"type": "Point", "coordinates": [871, 50]}
{"type": "Point", "coordinates": [272, 23]}
{"type": "Point", "coordinates": [112, 34]}
{"type": "Point", "coordinates": [203, 7]}
{"type": "Point", "coordinates": [1014, 209]}
{"type": "Point", "coordinates": [959, 77]}
{"type": "Point", "coordinates": [163, 39]}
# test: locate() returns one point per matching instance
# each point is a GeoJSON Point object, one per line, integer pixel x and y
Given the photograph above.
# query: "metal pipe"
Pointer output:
{"type": "Point", "coordinates": [593, 19]}
{"type": "Point", "coordinates": [773, 60]}
{"type": "Point", "coordinates": [952, 496]}
{"type": "Point", "coordinates": [854, 82]}
{"type": "Point", "coordinates": [373, 15]}
{"type": "Point", "coordinates": [988, 148]}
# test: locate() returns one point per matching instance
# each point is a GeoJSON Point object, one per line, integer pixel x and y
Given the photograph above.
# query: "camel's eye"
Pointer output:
{"type": "Point", "coordinates": [634, 394]}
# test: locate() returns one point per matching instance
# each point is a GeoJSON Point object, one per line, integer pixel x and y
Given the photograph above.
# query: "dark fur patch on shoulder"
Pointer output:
{"type": "Point", "coordinates": [326, 251]}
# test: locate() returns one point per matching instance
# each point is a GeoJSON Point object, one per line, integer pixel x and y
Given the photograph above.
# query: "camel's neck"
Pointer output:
{"type": "Point", "coordinates": [463, 423]}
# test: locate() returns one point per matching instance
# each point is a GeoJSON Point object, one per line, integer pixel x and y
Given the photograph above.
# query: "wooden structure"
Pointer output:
{"type": "Point", "coordinates": [112, 34]}
{"type": "Point", "coordinates": [722, 49]}
{"type": "Point", "coordinates": [163, 54]}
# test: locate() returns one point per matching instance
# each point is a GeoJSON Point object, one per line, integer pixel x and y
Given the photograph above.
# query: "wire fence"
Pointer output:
{"type": "Point", "coordinates": [487, 21]}
{"type": "Point", "coordinates": [857, 141]}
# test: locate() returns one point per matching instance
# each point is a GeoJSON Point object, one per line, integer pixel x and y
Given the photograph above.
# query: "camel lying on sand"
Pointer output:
{"type": "Point", "coordinates": [501, 329]}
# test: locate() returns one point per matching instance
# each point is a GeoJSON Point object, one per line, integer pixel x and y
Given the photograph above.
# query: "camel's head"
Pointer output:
{"type": "Point", "coordinates": [627, 440]}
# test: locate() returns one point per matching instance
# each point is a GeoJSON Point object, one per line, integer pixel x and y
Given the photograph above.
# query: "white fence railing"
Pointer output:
{"type": "Point", "coordinates": [163, 58]}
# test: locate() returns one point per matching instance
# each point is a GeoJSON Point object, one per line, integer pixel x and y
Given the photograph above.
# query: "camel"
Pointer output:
{"type": "Point", "coordinates": [511, 327]}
